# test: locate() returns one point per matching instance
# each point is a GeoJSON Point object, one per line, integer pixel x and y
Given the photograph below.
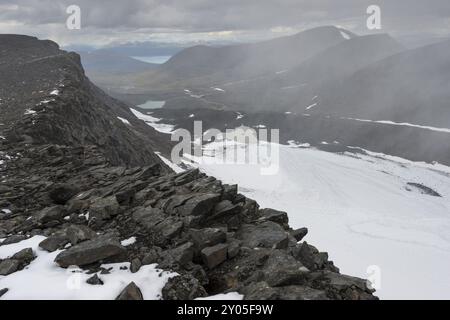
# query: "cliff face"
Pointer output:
{"type": "Point", "coordinates": [46, 98]}
{"type": "Point", "coordinates": [81, 180]}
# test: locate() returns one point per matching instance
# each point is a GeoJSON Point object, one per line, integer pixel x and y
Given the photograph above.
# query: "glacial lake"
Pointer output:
{"type": "Point", "coordinates": [153, 59]}
{"type": "Point", "coordinates": [152, 104]}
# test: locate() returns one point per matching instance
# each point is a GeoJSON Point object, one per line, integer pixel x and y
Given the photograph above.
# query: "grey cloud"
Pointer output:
{"type": "Point", "coordinates": [196, 16]}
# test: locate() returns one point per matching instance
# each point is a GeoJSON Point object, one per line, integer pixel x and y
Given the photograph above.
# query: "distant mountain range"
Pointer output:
{"type": "Point", "coordinates": [354, 89]}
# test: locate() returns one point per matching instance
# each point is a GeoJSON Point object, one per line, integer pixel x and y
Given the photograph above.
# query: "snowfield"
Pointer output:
{"type": "Point", "coordinates": [43, 279]}
{"type": "Point", "coordinates": [153, 122]}
{"type": "Point", "coordinates": [361, 210]}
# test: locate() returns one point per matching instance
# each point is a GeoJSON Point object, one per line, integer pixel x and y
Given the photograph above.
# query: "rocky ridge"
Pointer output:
{"type": "Point", "coordinates": [87, 195]}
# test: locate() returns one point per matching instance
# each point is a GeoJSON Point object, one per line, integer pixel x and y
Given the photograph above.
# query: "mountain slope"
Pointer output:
{"type": "Point", "coordinates": [249, 60]}
{"type": "Point", "coordinates": [104, 62]}
{"type": "Point", "coordinates": [297, 88]}
{"type": "Point", "coordinates": [412, 86]}
{"type": "Point", "coordinates": [203, 65]}
{"type": "Point", "coordinates": [46, 98]}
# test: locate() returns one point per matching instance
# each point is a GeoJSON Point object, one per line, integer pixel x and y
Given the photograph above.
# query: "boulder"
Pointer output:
{"type": "Point", "coordinates": [281, 269]}
{"type": "Point", "coordinates": [207, 237]}
{"type": "Point", "coordinates": [171, 228]}
{"type": "Point", "coordinates": [3, 291]}
{"type": "Point", "coordinates": [103, 208]}
{"type": "Point", "coordinates": [299, 234]}
{"type": "Point", "coordinates": [126, 197]}
{"type": "Point", "coordinates": [310, 256]}
{"type": "Point", "coordinates": [95, 280]}
{"type": "Point", "coordinates": [267, 235]}
{"type": "Point", "coordinates": [276, 216]}
{"type": "Point", "coordinates": [130, 292]}
{"type": "Point", "coordinates": [9, 266]}
{"type": "Point", "coordinates": [201, 204]}
{"type": "Point", "coordinates": [79, 233]}
{"type": "Point", "coordinates": [49, 214]}
{"type": "Point", "coordinates": [215, 255]}
{"type": "Point", "coordinates": [229, 192]}
{"type": "Point", "coordinates": [184, 287]}
{"type": "Point", "coordinates": [61, 193]}
{"type": "Point", "coordinates": [14, 239]}
{"type": "Point", "coordinates": [148, 217]}
{"type": "Point", "coordinates": [24, 256]}
{"type": "Point", "coordinates": [53, 243]}
{"type": "Point", "coordinates": [224, 210]}
{"type": "Point", "coordinates": [234, 247]}
{"type": "Point", "coordinates": [150, 258]}
{"type": "Point", "coordinates": [98, 249]}
{"type": "Point", "coordinates": [184, 253]}
{"type": "Point", "coordinates": [135, 265]}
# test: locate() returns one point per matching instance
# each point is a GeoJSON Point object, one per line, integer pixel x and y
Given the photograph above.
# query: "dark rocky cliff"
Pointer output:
{"type": "Point", "coordinates": [76, 174]}
{"type": "Point", "coordinates": [46, 98]}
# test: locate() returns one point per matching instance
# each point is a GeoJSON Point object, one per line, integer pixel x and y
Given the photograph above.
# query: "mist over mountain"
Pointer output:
{"type": "Point", "coordinates": [412, 86]}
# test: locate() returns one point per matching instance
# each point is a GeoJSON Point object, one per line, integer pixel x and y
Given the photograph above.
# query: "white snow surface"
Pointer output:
{"type": "Point", "coordinates": [311, 106]}
{"type": "Point", "coordinates": [403, 124]}
{"type": "Point", "coordinates": [29, 111]}
{"type": "Point", "coordinates": [153, 122]}
{"type": "Point", "coordinates": [124, 121]}
{"type": "Point", "coordinates": [44, 279]}
{"type": "Point", "coordinates": [358, 209]}
{"type": "Point", "coordinates": [345, 35]}
{"type": "Point", "coordinates": [128, 242]}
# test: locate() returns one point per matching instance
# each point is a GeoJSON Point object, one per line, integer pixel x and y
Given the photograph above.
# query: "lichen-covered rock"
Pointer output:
{"type": "Point", "coordinates": [183, 287]}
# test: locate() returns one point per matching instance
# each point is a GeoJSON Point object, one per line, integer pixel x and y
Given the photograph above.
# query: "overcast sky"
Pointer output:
{"type": "Point", "coordinates": [106, 22]}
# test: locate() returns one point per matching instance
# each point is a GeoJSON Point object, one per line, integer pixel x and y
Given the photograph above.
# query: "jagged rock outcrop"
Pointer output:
{"type": "Point", "coordinates": [87, 195]}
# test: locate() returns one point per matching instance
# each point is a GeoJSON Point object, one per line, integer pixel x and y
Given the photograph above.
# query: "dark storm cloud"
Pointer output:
{"type": "Point", "coordinates": [196, 16]}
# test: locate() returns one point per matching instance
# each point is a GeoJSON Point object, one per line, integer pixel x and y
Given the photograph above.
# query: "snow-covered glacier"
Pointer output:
{"type": "Point", "coordinates": [367, 209]}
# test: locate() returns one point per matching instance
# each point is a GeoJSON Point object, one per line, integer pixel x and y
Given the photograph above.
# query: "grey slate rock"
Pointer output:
{"type": "Point", "coordinates": [135, 265]}
{"type": "Point", "coordinates": [214, 256]}
{"type": "Point", "coordinates": [183, 287]}
{"type": "Point", "coordinates": [79, 233]}
{"type": "Point", "coordinates": [91, 251]}
{"type": "Point", "coordinates": [53, 243]}
{"type": "Point", "coordinates": [276, 216]}
{"type": "Point", "coordinates": [199, 205]}
{"type": "Point", "coordinates": [25, 256]}
{"type": "Point", "coordinates": [62, 193]}
{"type": "Point", "coordinates": [299, 234]}
{"type": "Point", "coordinates": [3, 291]}
{"type": "Point", "coordinates": [49, 214]}
{"type": "Point", "coordinates": [130, 292]}
{"type": "Point", "coordinates": [14, 239]}
{"type": "Point", "coordinates": [281, 269]}
{"type": "Point", "coordinates": [267, 235]}
{"type": "Point", "coordinates": [95, 280]}
{"type": "Point", "coordinates": [9, 266]}
{"type": "Point", "coordinates": [207, 237]}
